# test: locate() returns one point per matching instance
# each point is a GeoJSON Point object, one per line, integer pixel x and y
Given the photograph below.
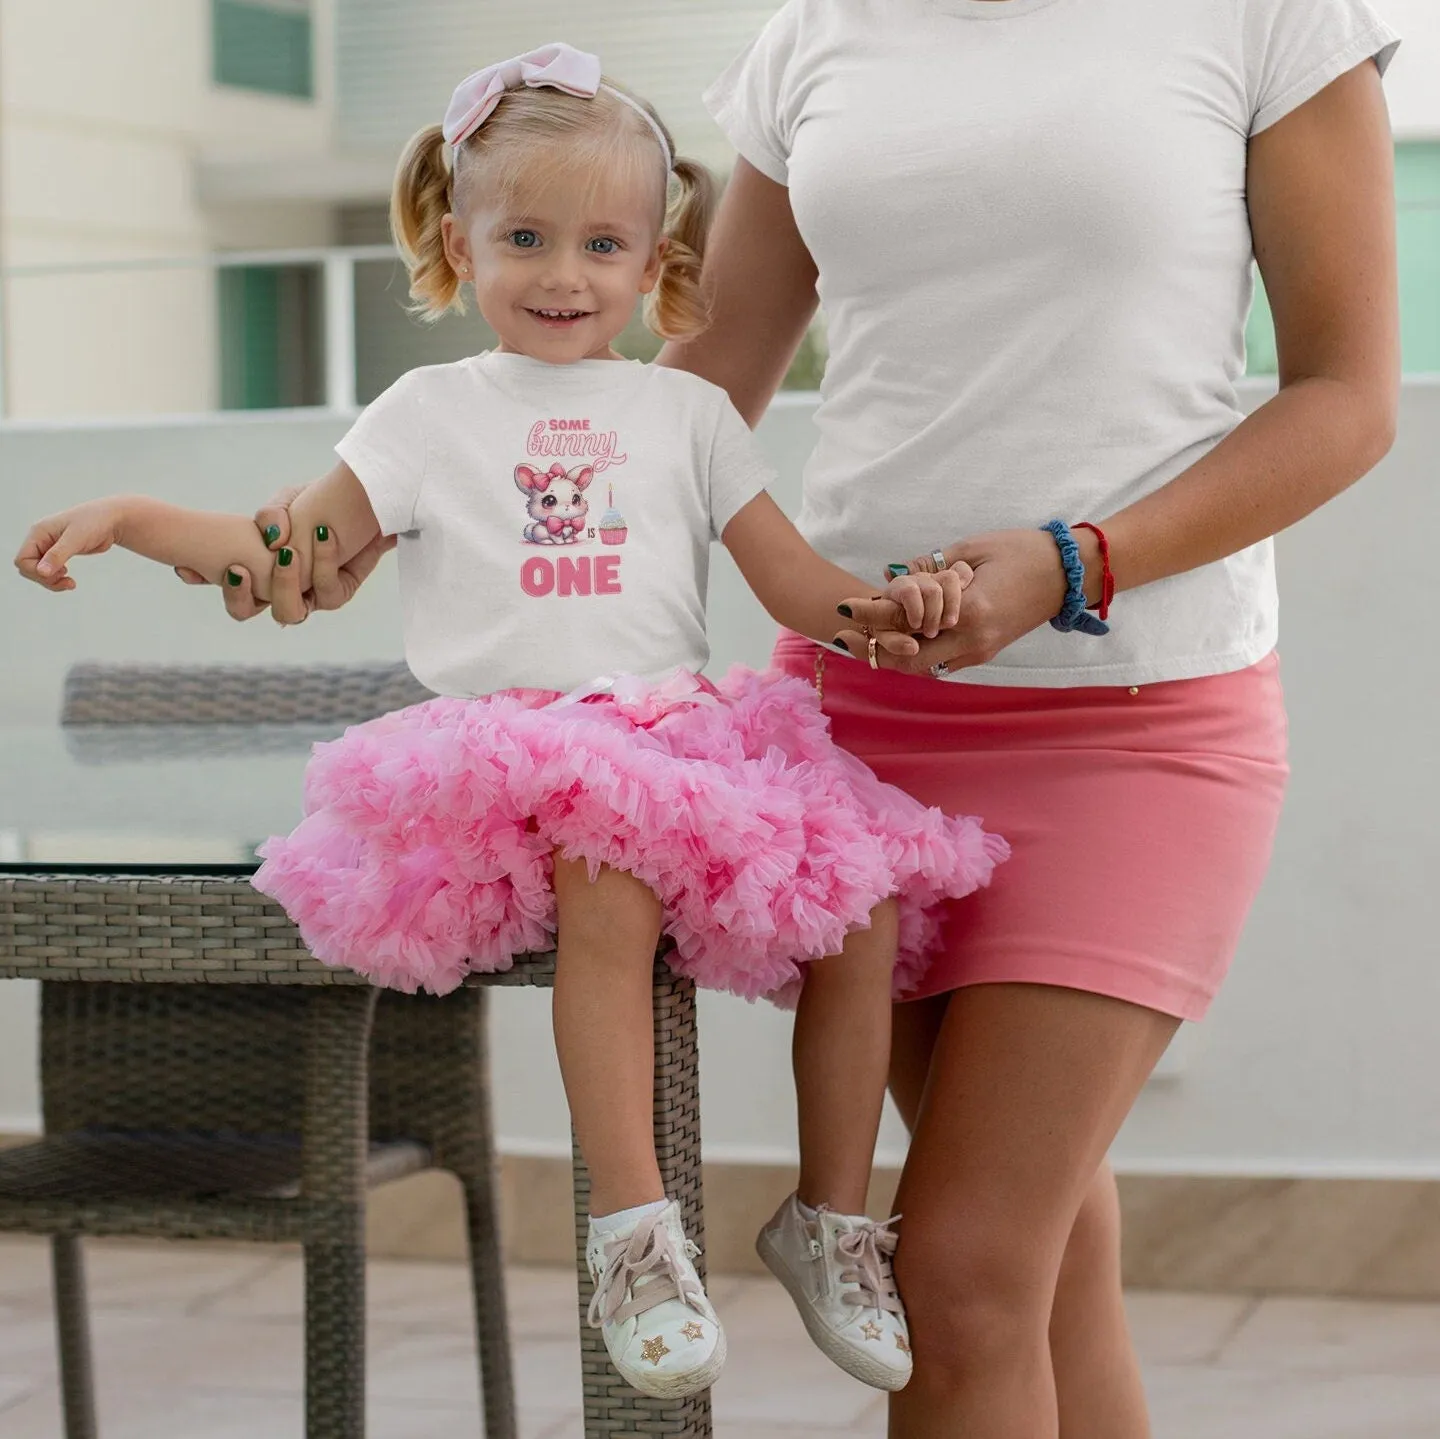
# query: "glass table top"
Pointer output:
{"type": "Point", "coordinates": [182, 795]}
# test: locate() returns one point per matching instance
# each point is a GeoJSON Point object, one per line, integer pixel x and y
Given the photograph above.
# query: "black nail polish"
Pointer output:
{"type": "Point", "coordinates": [846, 611]}
{"type": "Point", "coordinates": [232, 579]}
{"type": "Point", "coordinates": [285, 556]}
{"type": "Point", "coordinates": [322, 533]}
{"type": "Point", "coordinates": [272, 533]}
{"type": "Point", "coordinates": [841, 645]}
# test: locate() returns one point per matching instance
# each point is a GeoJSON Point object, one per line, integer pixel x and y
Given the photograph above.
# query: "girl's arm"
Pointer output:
{"type": "Point", "coordinates": [194, 539]}
{"type": "Point", "coordinates": [804, 592]}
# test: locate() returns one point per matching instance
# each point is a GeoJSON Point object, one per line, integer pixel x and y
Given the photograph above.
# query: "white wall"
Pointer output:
{"type": "Point", "coordinates": [1413, 84]}
{"type": "Point", "coordinates": [104, 111]}
{"type": "Point", "coordinates": [1320, 1055]}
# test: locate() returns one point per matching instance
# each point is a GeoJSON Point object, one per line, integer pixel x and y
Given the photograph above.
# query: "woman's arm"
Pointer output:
{"type": "Point", "coordinates": [1322, 211]}
{"type": "Point", "coordinates": [332, 583]}
{"type": "Point", "coordinates": [760, 280]}
{"type": "Point", "coordinates": [804, 592]}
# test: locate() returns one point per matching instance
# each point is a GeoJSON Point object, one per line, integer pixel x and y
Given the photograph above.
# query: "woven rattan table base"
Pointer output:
{"type": "Point", "coordinates": [208, 929]}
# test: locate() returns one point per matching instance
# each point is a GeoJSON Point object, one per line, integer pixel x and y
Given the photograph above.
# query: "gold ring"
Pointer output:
{"type": "Point", "coordinates": [874, 647]}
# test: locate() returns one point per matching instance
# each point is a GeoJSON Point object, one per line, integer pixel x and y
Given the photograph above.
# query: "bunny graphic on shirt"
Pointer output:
{"type": "Point", "coordinates": [556, 502]}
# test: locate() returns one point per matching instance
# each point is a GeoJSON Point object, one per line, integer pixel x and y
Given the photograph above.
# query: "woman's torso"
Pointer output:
{"type": "Point", "coordinates": [1029, 219]}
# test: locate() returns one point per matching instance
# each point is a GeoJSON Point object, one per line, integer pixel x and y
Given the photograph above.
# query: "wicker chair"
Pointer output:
{"type": "Point", "coordinates": [243, 1112]}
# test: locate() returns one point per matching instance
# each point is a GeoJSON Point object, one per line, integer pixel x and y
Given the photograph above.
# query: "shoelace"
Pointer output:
{"type": "Point", "coordinates": [648, 1255]}
{"type": "Point", "coordinates": [868, 1247]}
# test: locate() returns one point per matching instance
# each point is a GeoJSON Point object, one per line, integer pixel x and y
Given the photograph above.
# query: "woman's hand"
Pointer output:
{"type": "Point", "coordinates": [1018, 584]}
{"type": "Point", "coordinates": [88, 529]}
{"type": "Point", "coordinates": [331, 583]}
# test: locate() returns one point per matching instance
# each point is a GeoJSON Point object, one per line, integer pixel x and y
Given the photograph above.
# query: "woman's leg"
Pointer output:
{"type": "Point", "coordinates": [1027, 1087]}
{"type": "Point", "coordinates": [1097, 1374]}
{"type": "Point", "coordinates": [841, 1055]}
{"type": "Point", "coordinates": [604, 1029]}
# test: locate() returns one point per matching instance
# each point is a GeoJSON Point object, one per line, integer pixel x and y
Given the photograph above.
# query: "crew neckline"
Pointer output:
{"type": "Point", "coordinates": [990, 9]}
{"type": "Point", "coordinates": [516, 363]}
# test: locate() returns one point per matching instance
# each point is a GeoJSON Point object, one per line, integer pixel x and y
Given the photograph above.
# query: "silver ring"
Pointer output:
{"type": "Point", "coordinates": [940, 670]}
{"type": "Point", "coordinates": [938, 556]}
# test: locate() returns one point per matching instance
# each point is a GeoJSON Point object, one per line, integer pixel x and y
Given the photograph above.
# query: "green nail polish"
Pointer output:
{"type": "Point", "coordinates": [846, 611]}
{"type": "Point", "coordinates": [232, 579]}
{"type": "Point", "coordinates": [322, 533]}
{"type": "Point", "coordinates": [272, 533]}
{"type": "Point", "coordinates": [285, 556]}
{"type": "Point", "coordinates": [895, 571]}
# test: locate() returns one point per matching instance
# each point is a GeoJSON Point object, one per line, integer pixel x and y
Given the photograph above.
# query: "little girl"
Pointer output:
{"type": "Point", "coordinates": [579, 782]}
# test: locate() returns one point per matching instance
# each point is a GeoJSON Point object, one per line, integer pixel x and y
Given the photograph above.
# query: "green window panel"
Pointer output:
{"type": "Point", "coordinates": [1417, 195]}
{"type": "Point", "coordinates": [271, 339]}
{"type": "Point", "coordinates": [259, 46]}
{"type": "Point", "coordinates": [1417, 221]}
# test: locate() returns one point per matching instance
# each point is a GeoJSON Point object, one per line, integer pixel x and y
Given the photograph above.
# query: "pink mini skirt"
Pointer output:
{"type": "Point", "coordinates": [1140, 821]}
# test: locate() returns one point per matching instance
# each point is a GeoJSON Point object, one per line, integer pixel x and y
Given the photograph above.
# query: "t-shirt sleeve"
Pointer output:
{"type": "Point", "coordinates": [748, 101]}
{"type": "Point", "coordinates": [387, 450]}
{"type": "Point", "coordinates": [738, 471]}
{"type": "Point", "coordinates": [1294, 48]}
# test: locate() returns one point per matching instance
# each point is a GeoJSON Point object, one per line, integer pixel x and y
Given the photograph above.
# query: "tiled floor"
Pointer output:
{"type": "Point", "coordinates": [205, 1344]}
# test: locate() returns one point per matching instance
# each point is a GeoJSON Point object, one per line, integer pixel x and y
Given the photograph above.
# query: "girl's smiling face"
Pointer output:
{"type": "Point", "coordinates": [558, 264]}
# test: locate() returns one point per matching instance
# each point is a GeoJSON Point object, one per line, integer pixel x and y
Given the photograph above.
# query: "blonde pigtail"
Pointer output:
{"type": "Point", "coordinates": [418, 203]}
{"type": "Point", "coordinates": [677, 308]}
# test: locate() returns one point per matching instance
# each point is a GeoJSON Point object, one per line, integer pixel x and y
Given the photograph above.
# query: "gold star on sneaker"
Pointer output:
{"type": "Point", "coordinates": [692, 1331]}
{"type": "Point", "coordinates": [902, 1343]}
{"type": "Point", "coordinates": [653, 1350]}
{"type": "Point", "coordinates": [871, 1330]}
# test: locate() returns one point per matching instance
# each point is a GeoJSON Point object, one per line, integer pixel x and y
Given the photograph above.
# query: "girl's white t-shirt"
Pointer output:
{"type": "Point", "coordinates": [1030, 225]}
{"type": "Point", "coordinates": [554, 520]}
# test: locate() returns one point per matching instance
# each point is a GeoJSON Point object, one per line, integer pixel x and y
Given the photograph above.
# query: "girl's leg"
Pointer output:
{"type": "Point", "coordinates": [841, 1055]}
{"type": "Point", "coordinates": [1027, 1087]}
{"type": "Point", "coordinates": [604, 1029]}
{"type": "Point", "coordinates": [658, 1325]}
{"type": "Point", "coordinates": [833, 1260]}
{"type": "Point", "coordinates": [1097, 1374]}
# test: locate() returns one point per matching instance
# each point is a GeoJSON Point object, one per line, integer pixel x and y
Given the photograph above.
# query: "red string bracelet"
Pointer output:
{"type": "Point", "coordinates": [1107, 579]}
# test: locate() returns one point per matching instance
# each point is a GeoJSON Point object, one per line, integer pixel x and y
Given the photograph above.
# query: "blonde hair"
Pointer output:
{"type": "Point", "coordinates": [588, 136]}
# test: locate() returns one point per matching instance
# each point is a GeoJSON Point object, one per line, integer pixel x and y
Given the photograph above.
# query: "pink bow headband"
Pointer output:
{"type": "Point", "coordinates": [558, 66]}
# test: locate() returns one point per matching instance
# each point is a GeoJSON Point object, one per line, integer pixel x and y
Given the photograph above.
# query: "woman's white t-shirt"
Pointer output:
{"type": "Point", "coordinates": [555, 520]}
{"type": "Point", "coordinates": [1034, 252]}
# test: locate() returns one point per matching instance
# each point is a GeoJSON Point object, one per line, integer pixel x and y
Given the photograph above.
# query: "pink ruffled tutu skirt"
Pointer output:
{"type": "Point", "coordinates": [426, 850]}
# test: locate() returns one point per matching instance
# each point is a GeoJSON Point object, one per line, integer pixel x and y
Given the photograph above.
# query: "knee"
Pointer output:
{"type": "Point", "coordinates": [976, 1296]}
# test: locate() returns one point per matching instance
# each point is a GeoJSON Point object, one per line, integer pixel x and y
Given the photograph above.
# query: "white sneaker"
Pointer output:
{"type": "Point", "coordinates": [659, 1327]}
{"type": "Point", "coordinates": [838, 1271]}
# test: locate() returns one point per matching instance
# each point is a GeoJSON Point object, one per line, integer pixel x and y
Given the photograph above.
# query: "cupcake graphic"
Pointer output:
{"type": "Point", "coordinates": [613, 528]}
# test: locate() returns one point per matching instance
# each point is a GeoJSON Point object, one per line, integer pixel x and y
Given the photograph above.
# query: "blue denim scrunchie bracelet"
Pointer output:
{"type": "Point", "coordinates": [1073, 613]}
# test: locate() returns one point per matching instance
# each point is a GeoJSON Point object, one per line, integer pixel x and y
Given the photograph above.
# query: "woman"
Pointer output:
{"type": "Point", "coordinates": [1031, 224]}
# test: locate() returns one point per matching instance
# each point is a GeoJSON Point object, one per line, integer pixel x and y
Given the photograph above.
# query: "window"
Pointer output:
{"type": "Point", "coordinates": [271, 338]}
{"type": "Point", "coordinates": [262, 45]}
{"type": "Point", "coordinates": [1417, 196]}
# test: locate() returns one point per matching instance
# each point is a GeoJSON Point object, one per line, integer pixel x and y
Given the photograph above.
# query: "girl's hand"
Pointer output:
{"type": "Point", "coordinates": [1018, 584]}
{"type": "Point", "coordinates": [914, 604]}
{"type": "Point", "coordinates": [88, 529]}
